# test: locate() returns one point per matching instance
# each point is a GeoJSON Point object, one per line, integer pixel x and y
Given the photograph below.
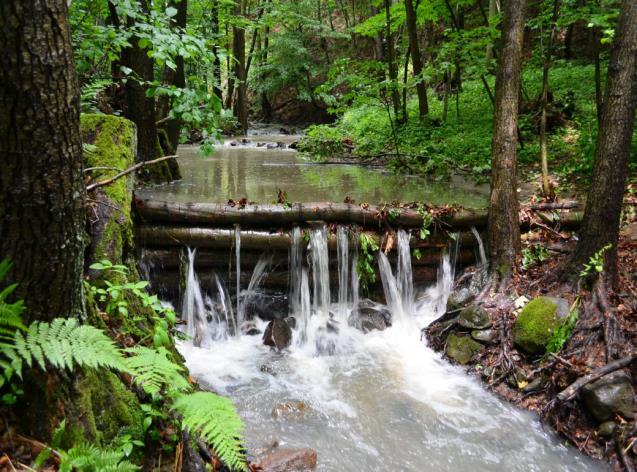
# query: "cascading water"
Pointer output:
{"type": "Point", "coordinates": [376, 401]}
{"type": "Point", "coordinates": [193, 307]}
{"type": "Point", "coordinates": [237, 248]}
{"type": "Point", "coordinates": [483, 256]}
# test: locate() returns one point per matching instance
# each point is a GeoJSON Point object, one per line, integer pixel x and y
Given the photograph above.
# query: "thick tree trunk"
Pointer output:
{"type": "Point", "coordinates": [603, 208]}
{"type": "Point", "coordinates": [503, 228]}
{"type": "Point", "coordinates": [416, 59]}
{"type": "Point", "coordinates": [43, 197]}
{"type": "Point", "coordinates": [239, 53]}
{"type": "Point", "coordinates": [391, 61]}
{"type": "Point", "coordinates": [173, 127]}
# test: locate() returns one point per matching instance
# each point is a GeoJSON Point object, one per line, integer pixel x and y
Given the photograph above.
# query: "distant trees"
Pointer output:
{"type": "Point", "coordinates": [504, 226]}
{"type": "Point", "coordinates": [605, 196]}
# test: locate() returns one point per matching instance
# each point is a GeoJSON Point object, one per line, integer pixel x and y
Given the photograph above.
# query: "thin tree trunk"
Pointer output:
{"type": "Point", "coordinates": [493, 11]}
{"type": "Point", "coordinates": [215, 50]}
{"type": "Point", "coordinates": [503, 227]}
{"type": "Point", "coordinates": [416, 59]}
{"type": "Point", "coordinates": [229, 72]}
{"type": "Point", "coordinates": [391, 62]}
{"type": "Point", "coordinates": [599, 98]}
{"type": "Point", "coordinates": [239, 53]}
{"type": "Point", "coordinates": [604, 204]}
{"type": "Point", "coordinates": [42, 203]}
{"type": "Point", "coordinates": [173, 127]}
{"type": "Point", "coordinates": [546, 186]}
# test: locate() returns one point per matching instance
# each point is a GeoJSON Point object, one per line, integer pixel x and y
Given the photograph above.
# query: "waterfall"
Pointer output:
{"type": "Point", "coordinates": [193, 306]}
{"type": "Point", "coordinates": [320, 271]}
{"type": "Point", "coordinates": [398, 289]}
{"type": "Point", "coordinates": [305, 307]}
{"type": "Point", "coordinates": [225, 304]}
{"type": "Point", "coordinates": [296, 266]}
{"type": "Point", "coordinates": [237, 248]}
{"type": "Point", "coordinates": [343, 271]}
{"type": "Point", "coordinates": [258, 274]}
{"type": "Point", "coordinates": [483, 257]}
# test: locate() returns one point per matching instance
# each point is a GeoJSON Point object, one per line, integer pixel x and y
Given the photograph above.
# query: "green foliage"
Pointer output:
{"type": "Point", "coordinates": [322, 142]}
{"type": "Point", "coordinates": [90, 93]}
{"type": "Point", "coordinates": [214, 419]}
{"type": "Point", "coordinates": [534, 254]}
{"type": "Point", "coordinates": [595, 264]}
{"type": "Point", "coordinates": [563, 332]}
{"type": "Point", "coordinates": [154, 370]}
{"type": "Point", "coordinates": [367, 247]}
{"type": "Point", "coordinates": [89, 458]}
{"type": "Point", "coordinates": [427, 220]}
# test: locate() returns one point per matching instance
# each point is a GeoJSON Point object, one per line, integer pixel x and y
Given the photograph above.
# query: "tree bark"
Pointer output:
{"type": "Point", "coordinates": [391, 61]}
{"type": "Point", "coordinates": [43, 197]}
{"type": "Point", "coordinates": [604, 204]}
{"type": "Point", "coordinates": [503, 226]}
{"type": "Point", "coordinates": [239, 53]}
{"type": "Point", "coordinates": [215, 49]}
{"type": "Point", "coordinates": [416, 59]}
{"type": "Point", "coordinates": [173, 127]}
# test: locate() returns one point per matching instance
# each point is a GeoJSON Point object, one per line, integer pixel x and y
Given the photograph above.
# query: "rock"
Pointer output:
{"type": "Point", "coordinates": [291, 321]}
{"type": "Point", "coordinates": [606, 429]}
{"type": "Point", "coordinates": [289, 460]}
{"type": "Point", "coordinates": [459, 298]}
{"type": "Point", "coordinates": [278, 334]}
{"type": "Point", "coordinates": [534, 385]}
{"type": "Point", "coordinates": [294, 145]}
{"type": "Point", "coordinates": [267, 306]}
{"type": "Point", "coordinates": [612, 394]}
{"type": "Point", "coordinates": [290, 410]}
{"type": "Point", "coordinates": [367, 321]}
{"type": "Point", "coordinates": [271, 146]}
{"type": "Point", "coordinates": [537, 321]}
{"type": "Point", "coordinates": [281, 145]}
{"type": "Point", "coordinates": [474, 317]}
{"type": "Point", "coordinates": [245, 141]}
{"type": "Point", "coordinates": [233, 143]}
{"type": "Point", "coordinates": [487, 336]}
{"type": "Point", "coordinates": [461, 348]}
{"type": "Point", "coordinates": [267, 369]}
{"type": "Point", "coordinates": [332, 326]}
{"type": "Point", "coordinates": [253, 331]}
{"type": "Point", "coordinates": [250, 328]}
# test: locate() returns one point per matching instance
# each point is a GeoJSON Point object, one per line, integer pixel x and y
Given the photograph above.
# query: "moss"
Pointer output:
{"type": "Point", "coordinates": [461, 348]}
{"type": "Point", "coordinates": [535, 324]}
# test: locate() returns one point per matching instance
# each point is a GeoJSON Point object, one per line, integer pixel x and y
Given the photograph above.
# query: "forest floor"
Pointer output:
{"type": "Point", "coordinates": [534, 383]}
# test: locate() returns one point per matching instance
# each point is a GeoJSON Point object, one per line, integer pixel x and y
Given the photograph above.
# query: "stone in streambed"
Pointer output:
{"type": "Point", "coordinates": [474, 317]}
{"type": "Point", "coordinates": [461, 348]}
{"type": "Point", "coordinates": [486, 336]}
{"type": "Point", "coordinates": [289, 460]}
{"type": "Point", "coordinates": [278, 334]}
{"type": "Point", "coordinates": [611, 395]}
{"type": "Point", "coordinates": [291, 321]}
{"type": "Point", "coordinates": [459, 298]}
{"type": "Point", "coordinates": [290, 410]}
{"type": "Point", "coordinates": [536, 323]}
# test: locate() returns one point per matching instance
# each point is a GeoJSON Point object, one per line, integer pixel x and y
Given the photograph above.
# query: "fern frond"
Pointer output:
{"type": "Point", "coordinates": [216, 421]}
{"type": "Point", "coordinates": [89, 458]}
{"type": "Point", "coordinates": [64, 343]}
{"type": "Point", "coordinates": [152, 369]}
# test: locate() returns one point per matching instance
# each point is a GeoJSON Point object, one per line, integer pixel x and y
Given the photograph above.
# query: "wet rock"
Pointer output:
{"type": "Point", "coordinates": [233, 143]}
{"type": "Point", "coordinates": [253, 331]}
{"type": "Point", "coordinates": [459, 298]}
{"type": "Point", "coordinates": [271, 146]}
{"type": "Point", "coordinates": [267, 306]}
{"type": "Point", "coordinates": [537, 321]}
{"type": "Point", "coordinates": [284, 131]}
{"type": "Point", "coordinates": [294, 145]}
{"type": "Point", "coordinates": [278, 334]}
{"type": "Point", "coordinates": [281, 145]}
{"type": "Point", "coordinates": [245, 141]}
{"type": "Point", "coordinates": [606, 429]}
{"type": "Point", "coordinates": [291, 321]}
{"type": "Point", "coordinates": [289, 460]}
{"type": "Point", "coordinates": [367, 321]}
{"type": "Point", "coordinates": [534, 385]}
{"type": "Point", "coordinates": [290, 410]}
{"type": "Point", "coordinates": [474, 317]}
{"type": "Point", "coordinates": [267, 369]}
{"type": "Point", "coordinates": [486, 336]}
{"type": "Point", "coordinates": [260, 144]}
{"type": "Point", "coordinates": [461, 348]}
{"type": "Point", "coordinates": [332, 326]}
{"type": "Point", "coordinates": [612, 394]}
{"type": "Point", "coordinates": [250, 328]}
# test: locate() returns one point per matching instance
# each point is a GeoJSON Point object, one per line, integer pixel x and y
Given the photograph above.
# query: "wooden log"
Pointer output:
{"type": "Point", "coordinates": [276, 215]}
{"type": "Point", "coordinates": [170, 236]}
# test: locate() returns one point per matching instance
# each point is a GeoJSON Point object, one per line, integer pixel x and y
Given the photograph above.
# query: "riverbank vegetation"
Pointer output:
{"type": "Point", "coordinates": [96, 96]}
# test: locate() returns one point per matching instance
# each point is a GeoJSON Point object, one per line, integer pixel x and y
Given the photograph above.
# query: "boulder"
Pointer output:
{"type": "Point", "coordinates": [459, 298]}
{"type": "Point", "coordinates": [289, 460]}
{"type": "Point", "coordinates": [486, 336]}
{"type": "Point", "coordinates": [461, 348]}
{"type": "Point", "coordinates": [370, 316]}
{"type": "Point", "coordinates": [474, 317]}
{"type": "Point", "coordinates": [611, 395]}
{"type": "Point", "coordinates": [266, 306]}
{"type": "Point", "coordinates": [290, 410]}
{"type": "Point", "coordinates": [536, 323]}
{"type": "Point", "coordinates": [278, 334]}
{"type": "Point", "coordinates": [291, 321]}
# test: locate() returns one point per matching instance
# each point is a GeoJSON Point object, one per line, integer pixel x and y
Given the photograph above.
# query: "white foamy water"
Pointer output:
{"type": "Point", "coordinates": [381, 401]}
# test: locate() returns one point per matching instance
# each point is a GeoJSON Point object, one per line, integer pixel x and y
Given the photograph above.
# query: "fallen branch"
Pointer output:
{"type": "Point", "coordinates": [571, 391]}
{"type": "Point", "coordinates": [124, 173]}
{"type": "Point", "coordinates": [554, 206]}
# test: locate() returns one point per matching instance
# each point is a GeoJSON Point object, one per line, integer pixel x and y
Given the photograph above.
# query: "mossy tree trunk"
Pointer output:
{"type": "Point", "coordinates": [600, 225]}
{"type": "Point", "coordinates": [43, 196]}
{"type": "Point", "coordinates": [503, 226]}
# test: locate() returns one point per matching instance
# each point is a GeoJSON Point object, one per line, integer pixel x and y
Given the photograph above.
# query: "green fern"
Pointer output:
{"type": "Point", "coordinates": [89, 458]}
{"type": "Point", "coordinates": [216, 421]}
{"type": "Point", "coordinates": [64, 343]}
{"type": "Point", "coordinates": [153, 369]}
{"type": "Point", "coordinates": [10, 313]}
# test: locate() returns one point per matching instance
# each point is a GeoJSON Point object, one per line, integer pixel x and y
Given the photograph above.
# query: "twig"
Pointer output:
{"type": "Point", "coordinates": [626, 462]}
{"type": "Point", "coordinates": [91, 169]}
{"type": "Point", "coordinates": [562, 360]}
{"type": "Point", "coordinates": [130, 170]}
{"type": "Point", "coordinates": [571, 391]}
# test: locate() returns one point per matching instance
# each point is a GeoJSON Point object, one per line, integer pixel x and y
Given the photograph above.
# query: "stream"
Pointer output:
{"type": "Point", "coordinates": [376, 401]}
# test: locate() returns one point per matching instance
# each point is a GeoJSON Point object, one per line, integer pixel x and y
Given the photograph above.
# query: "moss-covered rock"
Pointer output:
{"type": "Point", "coordinates": [537, 322]}
{"type": "Point", "coordinates": [461, 348]}
{"type": "Point", "coordinates": [474, 317]}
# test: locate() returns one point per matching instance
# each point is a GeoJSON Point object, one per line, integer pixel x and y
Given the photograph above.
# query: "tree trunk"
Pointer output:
{"type": "Point", "coordinates": [391, 61]}
{"type": "Point", "coordinates": [173, 127]}
{"type": "Point", "coordinates": [546, 186]}
{"type": "Point", "coordinates": [42, 200]}
{"type": "Point", "coordinates": [493, 12]}
{"type": "Point", "coordinates": [503, 227]}
{"type": "Point", "coordinates": [604, 204]}
{"type": "Point", "coordinates": [416, 59]}
{"type": "Point", "coordinates": [215, 49]}
{"type": "Point", "coordinates": [239, 53]}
